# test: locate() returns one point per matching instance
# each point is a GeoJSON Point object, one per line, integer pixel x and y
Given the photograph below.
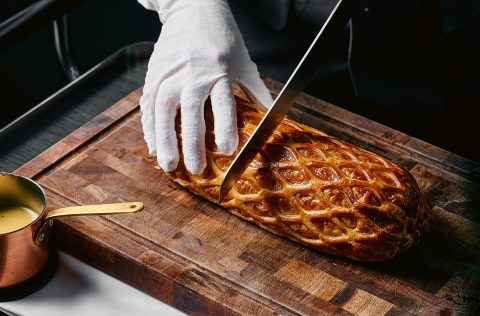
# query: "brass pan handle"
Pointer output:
{"type": "Point", "coordinates": [43, 233]}
{"type": "Point", "coordinates": [96, 209]}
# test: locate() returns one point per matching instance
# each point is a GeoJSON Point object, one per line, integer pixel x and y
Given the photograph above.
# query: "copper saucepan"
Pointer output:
{"type": "Point", "coordinates": [25, 229]}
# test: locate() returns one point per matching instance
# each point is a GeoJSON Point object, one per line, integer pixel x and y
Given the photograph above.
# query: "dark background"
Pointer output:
{"type": "Point", "coordinates": [30, 71]}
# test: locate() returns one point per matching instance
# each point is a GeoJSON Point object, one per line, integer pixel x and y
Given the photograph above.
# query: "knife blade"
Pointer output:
{"type": "Point", "coordinates": [299, 79]}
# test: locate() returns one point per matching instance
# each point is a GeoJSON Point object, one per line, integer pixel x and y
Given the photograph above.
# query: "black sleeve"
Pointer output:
{"type": "Point", "coordinates": [272, 12]}
{"type": "Point", "coordinates": [456, 13]}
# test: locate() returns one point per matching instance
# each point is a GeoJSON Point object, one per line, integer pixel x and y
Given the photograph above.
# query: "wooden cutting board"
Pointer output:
{"type": "Point", "coordinates": [201, 259]}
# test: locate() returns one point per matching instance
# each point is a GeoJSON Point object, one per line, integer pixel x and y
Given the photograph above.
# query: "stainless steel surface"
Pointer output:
{"type": "Point", "coordinates": [73, 105]}
{"type": "Point", "coordinates": [8, 313]}
{"type": "Point", "coordinates": [121, 58]}
{"type": "Point", "coordinates": [78, 289]}
{"type": "Point", "coordinates": [62, 46]}
{"type": "Point", "coordinates": [299, 79]}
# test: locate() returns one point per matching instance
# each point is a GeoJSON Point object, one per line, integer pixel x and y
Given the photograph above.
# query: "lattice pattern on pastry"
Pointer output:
{"type": "Point", "coordinates": [315, 189]}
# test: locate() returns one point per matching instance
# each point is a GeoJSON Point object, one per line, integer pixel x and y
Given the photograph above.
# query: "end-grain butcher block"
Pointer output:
{"type": "Point", "coordinates": [198, 257]}
{"type": "Point", "coordinates": [315, 189]}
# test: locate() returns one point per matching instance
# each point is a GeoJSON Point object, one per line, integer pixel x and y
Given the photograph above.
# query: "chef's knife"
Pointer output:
{"type": "Point", "coordinates": [299, 79]}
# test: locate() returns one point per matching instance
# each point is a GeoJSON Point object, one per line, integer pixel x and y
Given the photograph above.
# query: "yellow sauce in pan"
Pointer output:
{"type": "Point", "coordinates": [13, 217]}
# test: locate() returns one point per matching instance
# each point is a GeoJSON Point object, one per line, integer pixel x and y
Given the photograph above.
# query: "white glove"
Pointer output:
{"type": "Point", "coordinates": [199, 53]}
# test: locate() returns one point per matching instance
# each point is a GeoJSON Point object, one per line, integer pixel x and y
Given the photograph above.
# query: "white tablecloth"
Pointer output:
{"type": "Point", "coordinates": [78, 289]}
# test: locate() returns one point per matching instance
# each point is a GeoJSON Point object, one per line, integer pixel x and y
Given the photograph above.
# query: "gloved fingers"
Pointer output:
{"type": "Point", "coordinates": [252, 81]}
{"type": "Point", "coordinates": [153, 81]}
{"type": "Point", "coordinates": [225, 116]}
{"type": "Point", "coordinates": [193, 129]}
{"type": "Point", "coordinates": [147, 107]}
{"type": "Point", "coordinates": [165, 136]}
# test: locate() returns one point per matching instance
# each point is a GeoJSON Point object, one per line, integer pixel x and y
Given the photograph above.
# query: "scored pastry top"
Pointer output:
{"type": "Point", "coordinates": [315, 189]}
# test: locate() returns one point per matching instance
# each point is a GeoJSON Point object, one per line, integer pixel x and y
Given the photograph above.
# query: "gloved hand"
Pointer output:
{"type": "Point", "coordinates": [199, 53]}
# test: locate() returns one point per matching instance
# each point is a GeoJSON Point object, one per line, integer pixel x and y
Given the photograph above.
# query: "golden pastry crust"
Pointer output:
{"type": "Point", "coordinates": [315, 189]}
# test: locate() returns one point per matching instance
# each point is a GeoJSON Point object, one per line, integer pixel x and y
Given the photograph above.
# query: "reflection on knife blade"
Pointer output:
{"type": "Point", "coordinates": [299, 79]}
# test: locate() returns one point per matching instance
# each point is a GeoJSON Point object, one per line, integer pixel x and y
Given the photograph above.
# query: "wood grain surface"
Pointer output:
{"type": "Point", "coordinates": [195, 256]}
